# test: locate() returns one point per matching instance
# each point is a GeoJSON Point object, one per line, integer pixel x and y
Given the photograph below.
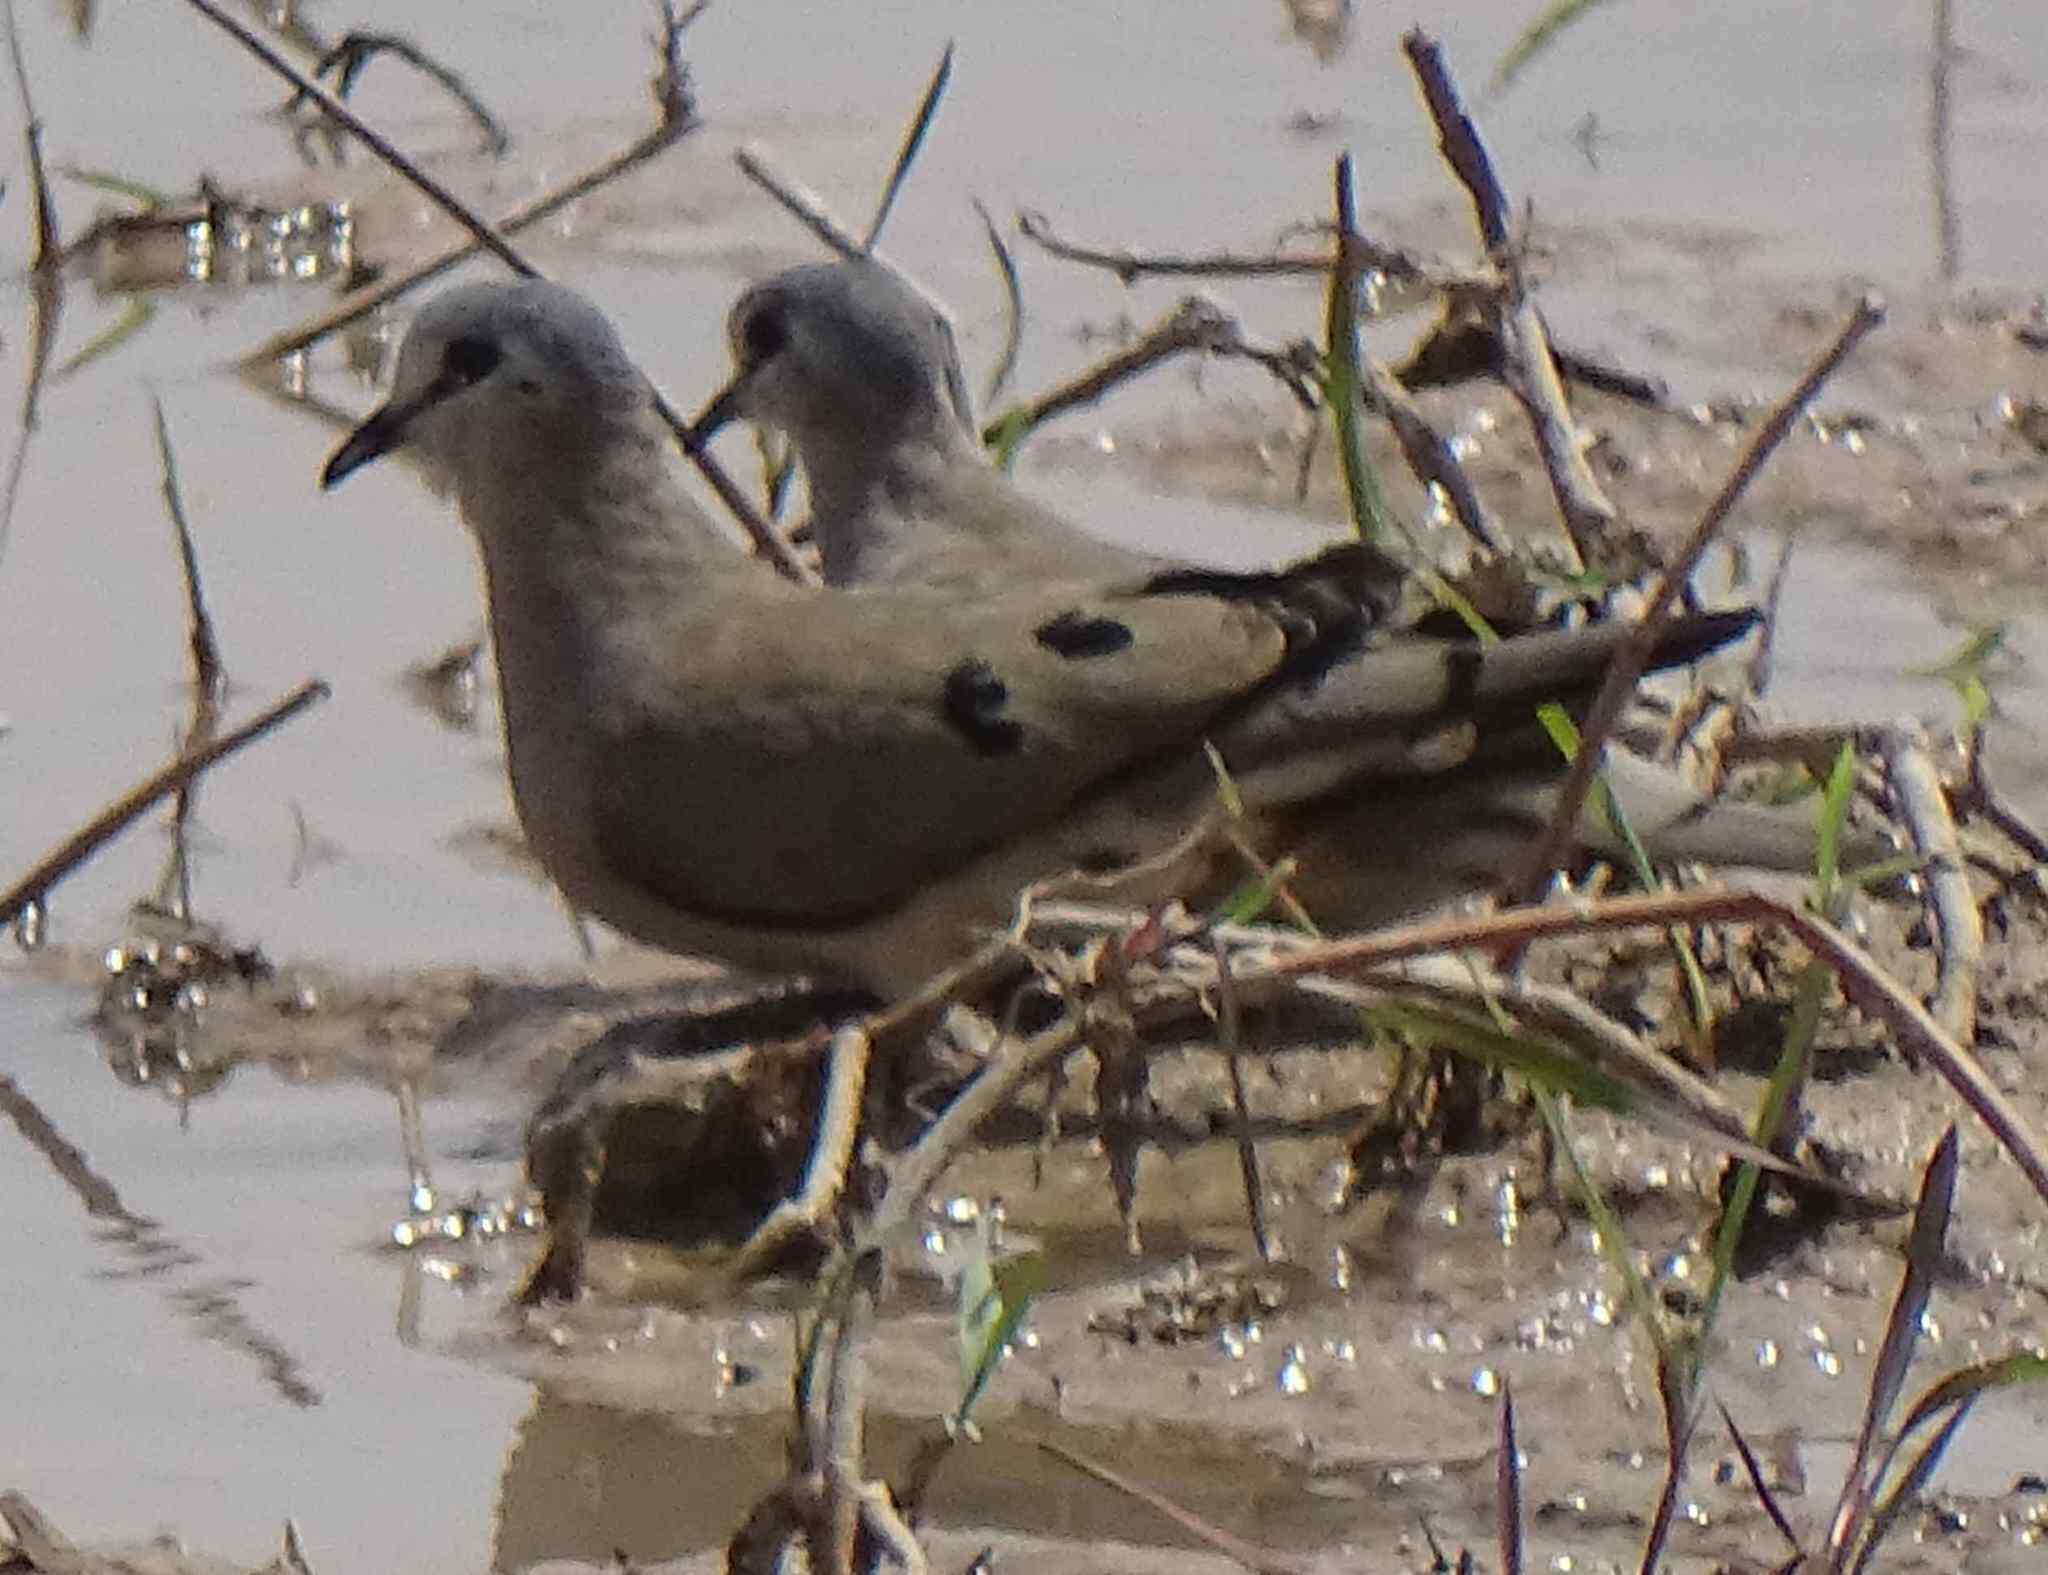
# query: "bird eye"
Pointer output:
{"type": "Point", "coordinates": [763, 335]}
{"type": "Point", "coordinates": [470, 359]}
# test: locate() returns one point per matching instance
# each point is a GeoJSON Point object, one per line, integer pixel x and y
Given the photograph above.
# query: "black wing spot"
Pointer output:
{"type": "Point", "coordinates": [1079, 635]}
{"type": "Point", "coordinates": [973, 707]}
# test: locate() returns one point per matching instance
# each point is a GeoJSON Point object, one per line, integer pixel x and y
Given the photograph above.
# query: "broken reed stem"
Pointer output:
{"type": "Point", "coordinates": [1528, 363]}
{"type": "Point", "coordinates": [1633, 653]}
{"type": "Point", "coordinates": [117, 816]}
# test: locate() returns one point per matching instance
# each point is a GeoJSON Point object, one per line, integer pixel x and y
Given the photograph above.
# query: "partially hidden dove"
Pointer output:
{"type": "Point", "coordinates": [859, 369]}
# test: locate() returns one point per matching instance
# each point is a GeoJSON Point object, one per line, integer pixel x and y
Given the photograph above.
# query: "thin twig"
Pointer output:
{"type": "Point", "coordinates": [49, 250]}
{"type": "Point", "coordinates": [1194, 325]}
{"type": "Point", "coordinates": [1631, 656]}
{"type": "Point", "coordinates": [354, 52]}
{"type": "Point", "coordinates": [1430, 456]}
{"type": "Point", "coordinates": [209, 678]}
{"type": "Point", "coordinates": [46, 312]}
{"type": "Point", "coordinates": [824, 1178]}
{"type": "Point", "coordinates": [1984, 799]}
{"type": "Point", "coordinates": [1230, 1040]}
{"type": "Point", "coordinates": [103, 827]}
{"type": "Point", "coordinates": [1528, 365]}
{"type": "Point", "coordinates": [1922, 807]}
{"type": "Point", "coordinates": [1367, 256]}
{"type": "Point", "coordinates": [799, 200]}
{"type": "Point", "coordinates": [913, 139]}
{"type": "Point", "coordinates": [1370, 517]}
{"type": "Point", "coordinates": [1264, 1561]}
{"type": "Point", "coordinates": [1013, 299]}
{"type": "Point", "coordinates": [1941, 59]}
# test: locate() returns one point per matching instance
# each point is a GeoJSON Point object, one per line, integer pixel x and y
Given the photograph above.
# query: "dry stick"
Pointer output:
{"type": "Point", "coordinates": [1013, 299]}
{"type": "Point", "coordinates": [1757, 675]}
{"type": "Point", "coordinates": [46, 282]}
{"type": "Point", "coordinates": [1366, 255]}
{"type": "Point", "coordinates": [919, 1169]}
{"type": "Point", "coordinates": [824, 1178]}
{"type": "Point", "coordinates": [81, 844]}
{"type": "Point", "coordinates": [209, 678]}
{"type": "Point", "coordinates": [353, 53]}
{"type": "Point", "coordinates": [1265, 1561]}
{"type": "Point", "coordinates": [839, 1437]}
{"type": "Point", "coordinates": [1194, 325]}
{"type": "Point", "coordinates": [1633, 654]}
{"type": "Point", "coordinates": [766, 539]}
{"type": "Point", "coordinates": [1980, 796]}
{"type": "Point", "coordinates": [1862, 980]}
{"type": "Point", "coordinates": [46, 311]}
{"type": "Point", "coordinates": [42, 212]}
{"type": "Point", "coordinates": [804, 205]}
{"type": "Point", "coordinates": [913, 139]}
{"type": "Point", "coordinates": [1429, 455]}
{"type": "Point", "coordinates": [1922, 804]}
{"type": "Point", "coordinates": [1528, 365]}
{"type": "Point", "coordinates": [1941, 56]}
{"type": "Point", "coordinates": [1230, 1039]}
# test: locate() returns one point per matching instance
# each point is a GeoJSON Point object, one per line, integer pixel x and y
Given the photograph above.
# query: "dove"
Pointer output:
{"type": "Point", "coordinates": [856, 783]}
{"type": "Point", "coordinates": [859, 369]}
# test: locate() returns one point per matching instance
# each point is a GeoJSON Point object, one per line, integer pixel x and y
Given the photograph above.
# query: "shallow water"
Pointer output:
{"type": "Point", "coordinates": [206, 1329]}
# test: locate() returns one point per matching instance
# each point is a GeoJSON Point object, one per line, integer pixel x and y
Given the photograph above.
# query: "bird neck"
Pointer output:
{"type": "Point", "coordinates": [602, 528]}
{"type": "Point", "coordinates": [874, 486]}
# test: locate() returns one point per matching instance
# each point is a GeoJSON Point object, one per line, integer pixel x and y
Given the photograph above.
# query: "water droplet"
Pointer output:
{"type": "Point", "coordinates": [31, 924]}
{"type": "Point", "coordinates": [1485, 1382]}
{"type": "Point", "coordinates": [1293, 1378]}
